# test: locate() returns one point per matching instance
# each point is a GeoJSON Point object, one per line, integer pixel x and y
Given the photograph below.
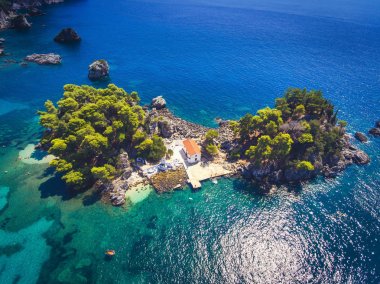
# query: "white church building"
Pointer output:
{"type": "Point", "coordinates": [192, 151]}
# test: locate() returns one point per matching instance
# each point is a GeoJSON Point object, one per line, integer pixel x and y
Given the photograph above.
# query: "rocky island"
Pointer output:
{"type": "Point", "coordinates": [104, 137]}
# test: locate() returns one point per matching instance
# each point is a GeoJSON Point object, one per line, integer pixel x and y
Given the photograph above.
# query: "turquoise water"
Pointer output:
{"type": "Point", "coordinates": [208, 60]}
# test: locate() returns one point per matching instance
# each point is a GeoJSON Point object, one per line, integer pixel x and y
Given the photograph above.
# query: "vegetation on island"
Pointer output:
{"type": "Point", "coordinates": [89, 128]}
{"type": "Point", "coordinates": [210, 143]}
{"type": "Point", "coordinates": [302, 132]}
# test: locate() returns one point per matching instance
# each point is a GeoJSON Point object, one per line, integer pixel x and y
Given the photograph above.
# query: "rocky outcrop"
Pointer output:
{"type": "Point", "coordinates": [44, 59]}
{"type": "Point", "coordinates": [67, 35]}
{"type": "Point", "coordinates": [376, 130]}
{"type": "Point", "coordinates": [158, 102]}
{"type": "Point", "coordinates": [123, 166]}
{"type": "Point", "coordinates": [361, 137]}
{"type": "Point", "coordinates": [19, 22]}
{"type": "Point", "coordinates": [331, 167]}
{"type": "Point", "coordinates": [98, 70]}
{"type": "Point", "coordinates": [165, 123]}
{"type": "Point", "coordinates": [9, 13]}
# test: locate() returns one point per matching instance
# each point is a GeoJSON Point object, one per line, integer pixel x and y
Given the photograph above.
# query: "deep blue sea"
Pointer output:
{"type": "Point", "coordinates": [208, 59]}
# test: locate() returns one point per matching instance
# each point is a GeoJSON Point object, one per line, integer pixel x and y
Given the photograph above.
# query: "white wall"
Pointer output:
{"type": "Point", "coordinates": [194, 158]}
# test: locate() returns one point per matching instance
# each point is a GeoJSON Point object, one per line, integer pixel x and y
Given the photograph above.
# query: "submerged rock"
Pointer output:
{"type": "Point", "coordinates": [158, 102]}
{"type": "Point", "coordinates": [375, 131]}
{"type": "Point", "coordinates": [361, 137]}
{"type": "Point", "coordinates": [98, 70]}
{"type": "Point", "coordinates": [44, 59]}
{"type": "Point", "coordinates": [19, 22]}
{"type": "Point", "coordinates": [33, 11]}
{"type": "Point", "coordinates": [67, 35]}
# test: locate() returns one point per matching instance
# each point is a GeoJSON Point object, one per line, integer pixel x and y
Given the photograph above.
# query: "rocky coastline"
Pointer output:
{"type": "Point", "coordinates": [13, 15]}
{"type": "Point", "coordinates": [163, 122]}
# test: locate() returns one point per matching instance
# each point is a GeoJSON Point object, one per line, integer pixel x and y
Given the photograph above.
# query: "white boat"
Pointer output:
{"type": "Point", "coordinates": [214, 181]}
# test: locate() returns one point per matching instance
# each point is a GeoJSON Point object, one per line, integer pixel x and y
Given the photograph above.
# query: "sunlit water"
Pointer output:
{"type": "Point", "coordinates": [208, 60]}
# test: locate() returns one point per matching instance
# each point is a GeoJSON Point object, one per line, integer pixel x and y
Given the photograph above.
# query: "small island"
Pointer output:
{"type": "Point", "coordinates": [104, 137]}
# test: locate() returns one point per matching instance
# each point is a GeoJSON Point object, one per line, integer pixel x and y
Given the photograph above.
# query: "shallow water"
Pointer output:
{"type": "Point", "coordinates": [208, 60]}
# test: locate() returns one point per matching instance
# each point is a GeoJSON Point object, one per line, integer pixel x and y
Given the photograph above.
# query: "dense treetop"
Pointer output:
{"type": "Point", "coordinates": [301, 131]}
{"type": "Point", "coordinates": [89, 127]}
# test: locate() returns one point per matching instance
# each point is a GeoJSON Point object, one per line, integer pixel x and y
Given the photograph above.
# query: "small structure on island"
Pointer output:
{"type": "Point", "coordinates": [192, 151]}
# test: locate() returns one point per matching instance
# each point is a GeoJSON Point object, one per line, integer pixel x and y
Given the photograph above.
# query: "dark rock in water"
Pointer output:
{"type": "Point", "coordinates": [377, 124]}
{"type": "Point", "coordinates": [158, 102]}
{"type": "Point", "coordinates": [2, 40]}
{"type": "Point", "coordinates": [44, 59]}
{"type": "Point", "coordinates": [375, 131]}
{"type": "Point", "coordinates": [19, 22]}
{"type": "Point", "coordinates": [98, 70]}
{"type": "Point", "coordinates": [1, 51]}
{"type": "Point", "coordinates": [361, 137]}
{"type": "Point", "coordinates": [67, 35]}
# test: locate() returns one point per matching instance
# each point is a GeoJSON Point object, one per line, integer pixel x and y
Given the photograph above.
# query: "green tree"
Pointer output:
{"type": "Point", "coordinates": [87, 128]}
{"type": "Point", "coordinates": [105, 172]}
{"type": "Point", "coordinates": [305, 138]}
{"type": "Point", "coordinates": [211, 135]}
{"type": "Point", "coordinates": [212, 149]}
{"type": "Point", "coordinates": [305, 165]}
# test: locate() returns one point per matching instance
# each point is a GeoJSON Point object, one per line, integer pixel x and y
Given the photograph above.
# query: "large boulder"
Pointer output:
{"type": "Point", "coordinates": [165, 128]}
{"type": "Point", "coordinates": [158, 102]}
{"type": "Point", "coordinates": [98, 70]}
{"type": "Point", "coordinates": [19, 22]}
{"type": "Point", "coordinates": [360, 158]}
{"type": "Point", "coordinates": [44, 59]}
{"type": "Point", "coordinates": [361, 137]}
{"type": "Point", "coordinates": [67, 35]}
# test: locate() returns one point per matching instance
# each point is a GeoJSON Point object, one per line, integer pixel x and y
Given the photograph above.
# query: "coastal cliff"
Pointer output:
{"type": "Point", "coordinates": [15, 13]}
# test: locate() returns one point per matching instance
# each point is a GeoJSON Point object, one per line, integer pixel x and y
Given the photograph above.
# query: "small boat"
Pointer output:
{"type": "Point", "coordinates": [214, 181]}
{"type": "Point", "coordinates": [110, 252]}
{"type": "Point", "coordinates": [190, 198]}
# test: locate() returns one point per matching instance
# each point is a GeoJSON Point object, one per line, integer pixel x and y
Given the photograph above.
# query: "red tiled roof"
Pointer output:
{"type": "Point", "coordinates": [191, 147]}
